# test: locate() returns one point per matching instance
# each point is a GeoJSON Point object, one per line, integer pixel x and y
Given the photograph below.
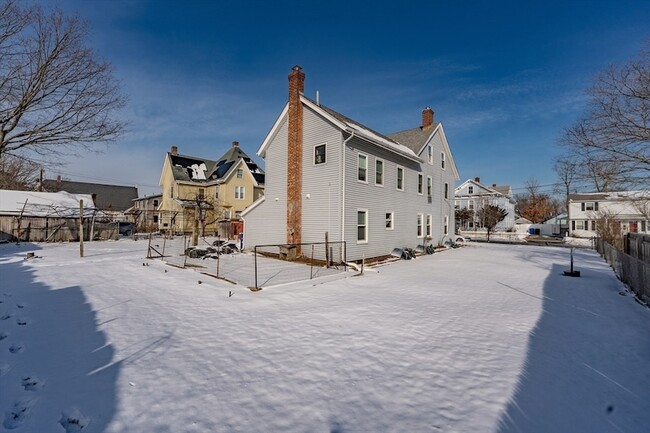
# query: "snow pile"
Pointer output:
{"type": "Point", "coordinates": [481, 338]}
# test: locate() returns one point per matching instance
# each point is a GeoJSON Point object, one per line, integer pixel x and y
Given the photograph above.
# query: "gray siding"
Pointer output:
{"type": "Point", "coordinates": [321, 183]}
{"type": "Point", "coordinates": [266, 224]}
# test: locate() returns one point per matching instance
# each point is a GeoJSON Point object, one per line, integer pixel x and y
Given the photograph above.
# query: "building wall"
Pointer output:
{"type": "Point", "coordinates": [583, 223]}
{"type": "Point", "coordinates": [227, 196]}
{"type": "Point", "coordinates": [266, 223]}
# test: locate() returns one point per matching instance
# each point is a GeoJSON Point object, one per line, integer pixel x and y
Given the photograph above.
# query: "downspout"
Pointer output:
{"type": "Point", "coordinates": [343, 185]}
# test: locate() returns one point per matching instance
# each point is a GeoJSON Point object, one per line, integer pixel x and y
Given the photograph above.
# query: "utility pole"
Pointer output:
{"type": "Point", "coordinates": [81, 228]}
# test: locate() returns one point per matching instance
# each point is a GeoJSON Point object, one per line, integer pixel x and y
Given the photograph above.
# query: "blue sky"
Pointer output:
{"type": "Point", "coordinates": [504, 77]}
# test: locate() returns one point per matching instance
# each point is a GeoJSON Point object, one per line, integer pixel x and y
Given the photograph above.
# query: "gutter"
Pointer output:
{"type": "Point", "coordinates": [345, 142]}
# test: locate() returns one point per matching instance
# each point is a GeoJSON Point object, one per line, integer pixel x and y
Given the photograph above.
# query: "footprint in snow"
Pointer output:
{"type": "Point", "coordinates": [16, 348]}
{"type": "Point", "coordinates": [73, 421]}
{"type": "Point", "coordinates": [21, 306]}
{"type": "Point", "coordinates": [31, 383]}
{"type": "Point", "coordinates": [5, 316]}
{"type": "Point", "coordinates": [15, 417]}
{"type": "Point", "coordinates": [21, 321]}
{"type": "Point", "coordinates": [3, 335]}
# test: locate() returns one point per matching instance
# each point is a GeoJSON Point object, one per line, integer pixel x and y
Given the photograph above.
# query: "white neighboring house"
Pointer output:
{"type": "Point", "coordinates": [631, 209]}
{"type": "Point", "coordinates": [473, 195]}
{"type": "Point", "coordinates": [328, 173]}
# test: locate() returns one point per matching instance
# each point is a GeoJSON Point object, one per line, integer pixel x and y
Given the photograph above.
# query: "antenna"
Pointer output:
{"type": "Point", "coordinates": [317, 97]}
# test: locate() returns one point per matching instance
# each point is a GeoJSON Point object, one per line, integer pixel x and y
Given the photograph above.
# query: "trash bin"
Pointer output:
{"type": "Point", "coordinates": [531, 231]}
{"type": "Point", "coordinates": [537, 231]}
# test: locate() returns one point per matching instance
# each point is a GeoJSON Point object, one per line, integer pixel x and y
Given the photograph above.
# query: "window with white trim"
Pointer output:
{"type": "Point", "coordinates": [239, 192]}
{"type": "Point", "coordinates": [420, 183]}
{"type": "Point", "coordinates": [420, 217]}
{"type": "Point", "coordinates": [379, 172]}
{"type": "Point", "coordinates": [446, 190]}
{"type": "Point", "coordinates": [430, 154]}
{"type": "Point", "coordinates": [470, 189]}
{"type": "Point", "coordinates": [362, 226]}
{"type": "Point", "coordinates": [362, 168]}
{"type": "Point", "coordinates": [442, 160]}
{"type": "Point", "coordinates": [320, 154]}
{"type": "Point", "coordinates": [390, 220]}
{"type": "Point", "coordinates": [400, 178]}
{"type": "Point", "coordinates": [429, 186]}
{"type": "Point", "coordinates": [427, 230]}
{"type": "Point", "coordinates": [446, 229]}
{"type": "Point", "coordinates": [240, 173]}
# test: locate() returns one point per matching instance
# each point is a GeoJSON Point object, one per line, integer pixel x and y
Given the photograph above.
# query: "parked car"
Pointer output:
{"type": "Point", "coordinates": [225, 246]}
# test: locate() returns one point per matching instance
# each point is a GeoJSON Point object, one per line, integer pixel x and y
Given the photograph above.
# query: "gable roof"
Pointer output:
{"type": "Point", "coordinates": [503, 190]}
{"type": "Point", "coordinates": [187, 168]}
{"type": "Point", "coordinates": [107, 197]}
{"type": "Point", "coordinates": [346, 124]}
{"type": "Point", "coordinates": [415, 138]}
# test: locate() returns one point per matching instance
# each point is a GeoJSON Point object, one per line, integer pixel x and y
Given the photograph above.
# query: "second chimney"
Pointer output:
{"type": "Point", "coordinates": [427, 118]}
{"type": "Point", "coordinates": [174, 150]}
{"type": "Point", "coordinates": [235, 144]}
{"type": "Point", "coordinates": [477, 179]}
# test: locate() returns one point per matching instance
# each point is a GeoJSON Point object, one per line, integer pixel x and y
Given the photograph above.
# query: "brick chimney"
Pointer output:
{"type": "Point", "coordinates": [427, 118]}
{"type": "Point", "coordinates": [294, 157]}
{"type": "Point", "coordinates": [235, 144]}
{"type": "Point", "coordinates": [477, 179]}
{"type": "Point", "coordinates": [174, 150]}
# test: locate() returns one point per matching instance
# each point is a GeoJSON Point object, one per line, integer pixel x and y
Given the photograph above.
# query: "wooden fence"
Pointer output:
{"type": "Point", "coordinates": [54, 229]}
{"type": "Point", "coordinates": [633, 269]}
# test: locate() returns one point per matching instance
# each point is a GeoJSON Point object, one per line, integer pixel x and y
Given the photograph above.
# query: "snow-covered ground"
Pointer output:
{"type": "Point", "coordinates": [480, 338]}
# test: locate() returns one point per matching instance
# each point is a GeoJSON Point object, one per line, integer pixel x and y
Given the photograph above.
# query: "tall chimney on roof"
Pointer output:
{"type": "Point", "coordinates": [174, 150]}
{"type": "Point", "coordinates": [235, 144]}
{"type": "Point", "coordinates": [427, 118]}
{"type": "Point", "coordinates": [294, 157]}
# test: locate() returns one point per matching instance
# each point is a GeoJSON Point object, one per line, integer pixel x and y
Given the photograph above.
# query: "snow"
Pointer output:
{"type": "Point", "coordinates": [60, 204]}
{"type": "Point", "coordinates": [481, 338]}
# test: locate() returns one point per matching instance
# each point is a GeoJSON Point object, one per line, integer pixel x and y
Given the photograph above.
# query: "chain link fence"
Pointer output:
{"type": "Point", "coordinates": [631, 270]}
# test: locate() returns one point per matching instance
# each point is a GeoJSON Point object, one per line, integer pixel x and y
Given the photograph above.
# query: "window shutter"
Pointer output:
{"type": "Point", "coordinates": [596, 206]}
{"type": "Point", "coordinates": [582, 207]}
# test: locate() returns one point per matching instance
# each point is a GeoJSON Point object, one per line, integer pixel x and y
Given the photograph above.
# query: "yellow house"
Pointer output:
{"type": "Point", "coordinates": [206, 193]}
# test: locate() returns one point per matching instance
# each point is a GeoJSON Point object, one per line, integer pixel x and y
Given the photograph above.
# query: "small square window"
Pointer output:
{"type": "Point", "coordinates": [320, 154]}
{"type": "Point", "coordinates": [240, 173]}
{"type": "Point", "coordinates": [470, 189]}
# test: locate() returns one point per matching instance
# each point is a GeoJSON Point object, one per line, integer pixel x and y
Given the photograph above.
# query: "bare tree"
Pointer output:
{"type": "Point", "coordinates": [462, 216]}
{"type": "Point", "coordinates": [55, 94]}
{"type": "Point", "coordinates": [490, 216]}
{"type": "Point", "coordinates": [18, 173]}
{"type": "Point", "coordinates": [566, 169]}
{"type": "Point", "coordinates": [613, 135]}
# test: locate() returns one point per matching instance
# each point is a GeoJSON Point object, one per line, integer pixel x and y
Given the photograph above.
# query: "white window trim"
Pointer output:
{"type": "Point", "coordinates": [421, 184]}
{"type": "Point", "coordinates": [392, 220]}
{"type": "Point", "coordinates": [446, 228]}
{"type": "Point", "coordinates": [359, 155]}
{"type": "Point", "coordinates": [314, 159]}
{"type": "Point", "coordinates": [241, 191]}
{"type": "Point", "coordinates": [445, 191]}
{"type": "Point", "coordinates": [367, 224]}
{"type": "Point", "coordinates": [419, 227]}
{"type": "Point", "coordinates": [428, 227]}
{"type": "Point", "coordinates": [443, 160]}
{"type": "Point", "coordinates": [239, 170]}
{"type": "Point", "coordinates": [383, 172]}
{"type": "Point", "coordinates": [430, 154]}
{"type": "Point", "coordinates": [398, 168]}
{"type": "Point", "coordinates": [429, 186]}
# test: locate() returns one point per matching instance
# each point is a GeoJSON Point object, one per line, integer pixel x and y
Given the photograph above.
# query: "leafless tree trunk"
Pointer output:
{"type": "Point", "coordinates": [17, 173]}
{"type": "Point", "coordinates": [55, 94]}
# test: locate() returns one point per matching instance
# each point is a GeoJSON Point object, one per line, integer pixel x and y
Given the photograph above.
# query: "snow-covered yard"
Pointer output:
{"type": "Point", "coordinates": [481, 338]}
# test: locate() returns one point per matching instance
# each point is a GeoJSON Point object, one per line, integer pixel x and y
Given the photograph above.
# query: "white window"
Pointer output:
{"type": "Point", "coordinates": [420, 183]}
{"type": "Point", "coordinates": [470, 189]}
{"type": "Point", "coordinates": [428, 225]}
{"type": "Point", "coordinates": [430, 154]}
{"type": "Point", "coordinates": [429, 186]}
{"type": "Point", "coordinates": [442, 160]}
{"type": "Point", "coordinates": [446, 224]}
{"type": "Point", "coordinates": [319, 154]}
{"type": "Point", "coordinates": [390, 218]}
{"type": "Point", "coordinates": [239, 192]}
{"type": "Point", "coordinates": [471, 205]}
{"type": "Point", "coordinates": [362, 226]}
{"type": "Point", "coordinates": [580, 225]}
{"type": "Point", "coordinates": [590, 205]}
{"type": "Point", "coordinates": [240, 173]}
{"type": "Point", "coordinates": [446, 190]}
{"type": "Point", "coordinates": [379, 172]}
{"type": "Point", "coordinates": [400, 178]}
{"type": "Point", "coordinates": [420, 217]}
{"type": "Point", "coordinates": [362, 175]}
